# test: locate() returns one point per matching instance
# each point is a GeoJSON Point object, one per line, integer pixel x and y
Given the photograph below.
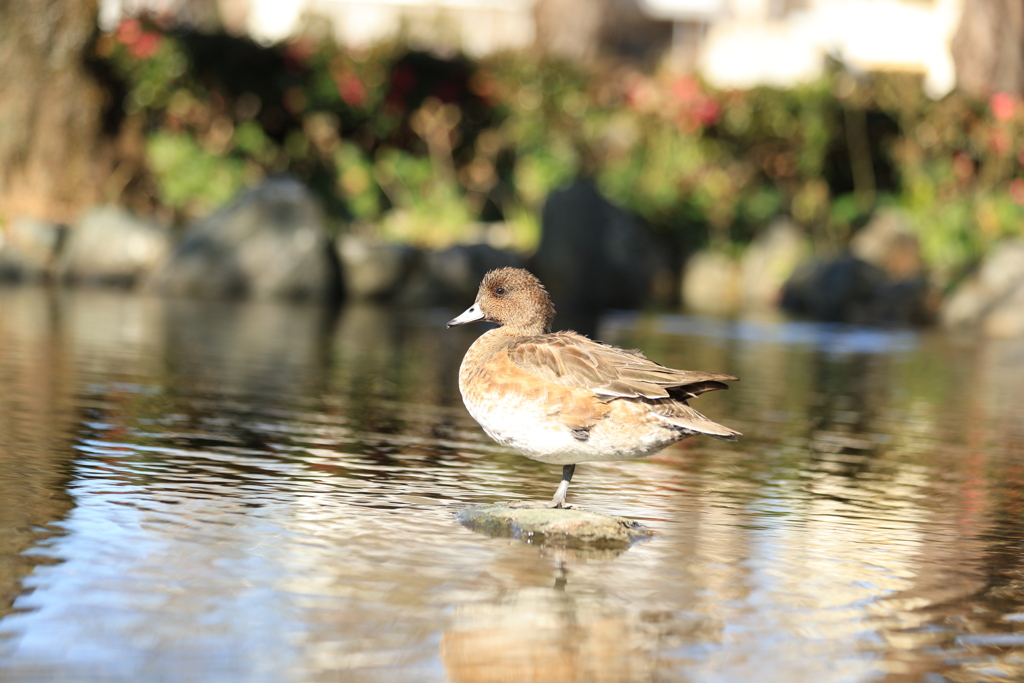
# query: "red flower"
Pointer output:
{"type": "Point", "coordinates": [298, 52]}
{"type": "Point", "coordinates": [1017, 190]}
{"type": "Point", "coordinates": [351, 90]}
{"type": "Point", "coordinates": [128, 31]}
{"type": "Point", "coordinates": [146, 46]}
{"type": "Point", "coordinates": [641, 94]}
{"type": "Point", "coordinates": [1003, 106]}
{"type": "Point", "coordinates": [685, 89]}
{"type": "Point", "coordinates": [707, 110]}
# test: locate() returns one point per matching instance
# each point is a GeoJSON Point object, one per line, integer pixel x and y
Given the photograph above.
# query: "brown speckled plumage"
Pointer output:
{"type": "Point", "coordinates": [563, 398]}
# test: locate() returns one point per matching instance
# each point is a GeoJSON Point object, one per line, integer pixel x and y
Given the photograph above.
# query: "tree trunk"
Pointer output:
{"type": "Point", "coordinates": [585, 29]}
{"type": "Point", "coordinates": [988, 47]}
{"type": "Point", "coordinates": [53, 155]}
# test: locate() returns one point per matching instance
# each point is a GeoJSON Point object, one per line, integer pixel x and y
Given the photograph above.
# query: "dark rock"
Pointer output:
{"type": "Point", "coordinates": [374, 270]}
{"type": "Point", "coordinates": [270, 243]}
{"type": "Point", "coordinates": [29, 249]}
{"type": "Point", "coordinates": [848, 289]}
{"type": "Point", "coordinates": [882, 280]}
{"type": "Point", "coordinates": [831, 290]}
{"type": "Point", "coordinates": [594, 255]}
{"type": "Point", "coordinates": [569, 527]}
{"type": "Point", "coordinates": [111, 246]}
{"type": "Point", "coordinates": [992, 299]}
{"type": "Point", "coordinates": [769, 260]}
{"type": "Point", "coordinates": [451, 277]}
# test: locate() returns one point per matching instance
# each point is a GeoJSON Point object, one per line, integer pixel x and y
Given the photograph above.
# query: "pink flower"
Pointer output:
{"type": "Point", "coordinates": [1000, 142]}
{"type": "Point", "coordinates": [641, 94]}
{"type": "Point", "coordinates": [1017, 191]}
{"type": "Point", "coordinates": [685, 89]}
{"type": "Point", "coordinates": [146, 46]}
{"type": "Point", "coordinates": [1003, 106]}
{"type": "Point", "coordinates": [128, 31]}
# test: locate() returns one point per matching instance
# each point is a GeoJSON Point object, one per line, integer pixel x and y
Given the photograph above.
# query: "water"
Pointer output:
{"type": "Point", "coordinates": [261, 492]}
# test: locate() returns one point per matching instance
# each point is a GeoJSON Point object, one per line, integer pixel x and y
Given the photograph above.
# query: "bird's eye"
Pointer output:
{"type": "Point", "coordinates": [499, 291]}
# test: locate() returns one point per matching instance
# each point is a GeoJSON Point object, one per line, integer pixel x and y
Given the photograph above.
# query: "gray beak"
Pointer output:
{"type": "Point", "coordinates": [470, 315]}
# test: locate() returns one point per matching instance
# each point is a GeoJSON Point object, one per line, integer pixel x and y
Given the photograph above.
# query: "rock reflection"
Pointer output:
{"type": "Point", "coordinates": [251, 349]}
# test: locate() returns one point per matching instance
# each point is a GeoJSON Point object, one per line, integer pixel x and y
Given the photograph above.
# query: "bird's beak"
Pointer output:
{"type": "Point", "coordinates": [470, 315]}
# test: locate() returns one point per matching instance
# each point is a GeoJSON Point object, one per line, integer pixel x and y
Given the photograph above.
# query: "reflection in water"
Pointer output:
{"type": "Point", "coordinates": [197, 490]}
{"type": "Point", "coordinates": [36, 427]}
{"type": "Point", "coordinates": [551, 634]}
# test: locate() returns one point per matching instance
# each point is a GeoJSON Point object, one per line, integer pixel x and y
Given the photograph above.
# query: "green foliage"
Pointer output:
{"type": "Point", "coordinates": [428, 209]}
{"type": "Point", "coordinates": [427, 149]}
{"type": "Point", "coordinates": [190, 176]}
{"type": "Point", "coordinates": [356, 182]}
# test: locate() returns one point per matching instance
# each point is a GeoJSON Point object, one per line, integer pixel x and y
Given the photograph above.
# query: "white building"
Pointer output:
{"type": "Point", "coordinates": [733, 43]}
{"type": "Point", "coordinates": [784, 42]}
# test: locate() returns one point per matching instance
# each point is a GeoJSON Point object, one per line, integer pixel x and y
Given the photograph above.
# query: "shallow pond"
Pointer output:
{"type": "Point", "coordinates": [262, 492]}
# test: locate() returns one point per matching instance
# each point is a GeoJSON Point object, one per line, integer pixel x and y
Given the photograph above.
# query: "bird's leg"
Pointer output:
{"type": "Point", "coordinates": [559, 500]}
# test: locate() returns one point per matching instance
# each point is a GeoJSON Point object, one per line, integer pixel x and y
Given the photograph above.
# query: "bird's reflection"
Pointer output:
{"type": "Point", "coordinates": [555, 633]}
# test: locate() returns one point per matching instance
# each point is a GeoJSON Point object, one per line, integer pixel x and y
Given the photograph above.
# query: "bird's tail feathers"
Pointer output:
{"type": "Point", "coordinates": [690, 421]}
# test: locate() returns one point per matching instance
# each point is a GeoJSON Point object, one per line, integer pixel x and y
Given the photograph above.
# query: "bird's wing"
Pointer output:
{"type": "Point", "coordinates": [572, 360]}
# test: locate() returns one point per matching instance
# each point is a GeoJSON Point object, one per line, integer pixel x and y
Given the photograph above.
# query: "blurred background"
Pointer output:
{"type": "Point", "coordinates": [206, 473]}
{"type": "Point", "coordinates": [849, 160]}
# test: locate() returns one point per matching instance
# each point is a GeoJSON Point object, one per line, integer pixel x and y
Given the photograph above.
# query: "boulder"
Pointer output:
{"type": "Point", "coordinates": [991, 300]}
{"type": "Point", "coordinates": [594, 255]}
{"type": "Point", "coordinates": [566, 527]}
{"type": "Point", "coordinates": [880, 280]}
{"type": "Point", "coordinates": [112, 246]}
{"type": "Point", "coordinates": [451, 277]}
{"type": "Point", "coordinates": [374, 270]}
{"type": "Point", "coordinates": [769, 260]}
{"type": "Point", "coordinates": [888, 243]}
{"type": "Point", "coordinates": [847, 289]}
{"type": "Point", "coordinates": [272, 242]}
{"type": "Point", "coordinates": [29, 249]}
{"type": "Point", "coordinates": [711, 283]}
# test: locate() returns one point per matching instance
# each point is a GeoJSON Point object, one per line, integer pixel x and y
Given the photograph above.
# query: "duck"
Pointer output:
{"type": "Point", "coordinates": [562, 398]}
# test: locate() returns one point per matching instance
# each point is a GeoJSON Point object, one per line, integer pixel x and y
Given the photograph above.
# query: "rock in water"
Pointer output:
{"type": "Point", "coordinates": [991, 299]}
{"type": "Point", "coordinates": [568, 527]}
{"type": "Point", "coordinates": [769, 260]}
{"type": "Point", "coordinates": [711, 283]}
{"type": "Point", "coordinates": [880, 280]}
{"type": "Point", "coordinates": [270, 243]}
{"type": "Point", "coordinates": [29, 249]}
{"type": "Point", "coordinates": [374, 270]}
{"type": "Point", "coordinates": [888, 242]}
{"type": "Point", "coordinates": [111, 246]}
